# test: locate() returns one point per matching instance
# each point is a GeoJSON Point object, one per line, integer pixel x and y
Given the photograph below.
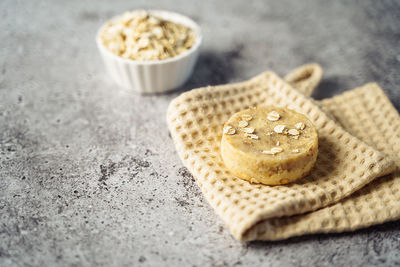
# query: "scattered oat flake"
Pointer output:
{"type": "Point", "coordinates": [243, 123]}
{"type": "Point", "coordinates": [277, 143]}
{"type": "Point", "coordinates": [268, 152]}
{"type": "Point", "coordinates": [252, 136]}
{"type": "Point", "coordinates": [300, 126]}
{"type": "Point", "coordinates": [293, 132]}
{"type": "Point", "coordinates": [295, 151]}
{"type": "Point", "coordinates": [273, 151]}
{"type": "Point", "coordinates": [229, 130]}
{"type": "Point", "coordinates": [249, 130]}
{"type": "Point", "coordinates": [246, 117]}
{"type": "Point", "coordinates": [277, 149]}
{"type": "Point", "coordinates": [273, 116]}
{"type": "Point", "coordinates": [279, 128]}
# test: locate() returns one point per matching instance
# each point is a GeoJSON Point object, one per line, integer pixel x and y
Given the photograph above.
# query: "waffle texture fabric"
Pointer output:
{"type": "Point", "coordinates": [345, 164]}
{"type": "Point", "coordinates": [368, 114]}
{"type": "Point", "coordinates": [305, 78]}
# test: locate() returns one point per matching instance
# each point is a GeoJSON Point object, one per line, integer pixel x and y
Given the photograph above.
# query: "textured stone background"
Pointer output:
{"type": "Point", "coordinates": [88, 173]}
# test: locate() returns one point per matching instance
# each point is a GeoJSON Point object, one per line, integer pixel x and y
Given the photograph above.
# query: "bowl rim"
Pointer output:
{"type": "Point", "coordinates": [160, 13]}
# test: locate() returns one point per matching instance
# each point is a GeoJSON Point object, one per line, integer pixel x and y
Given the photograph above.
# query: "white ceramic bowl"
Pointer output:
{"type": "Point", "coordinates": [153, 76]}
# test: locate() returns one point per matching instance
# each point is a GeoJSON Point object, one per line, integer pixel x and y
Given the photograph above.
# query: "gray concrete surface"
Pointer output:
{"type": "Point", "coordinates": [88, 173]}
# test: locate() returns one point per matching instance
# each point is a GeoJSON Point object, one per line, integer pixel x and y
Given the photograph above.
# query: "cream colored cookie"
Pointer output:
{"type": "Point", "coordinates": [269, 145]}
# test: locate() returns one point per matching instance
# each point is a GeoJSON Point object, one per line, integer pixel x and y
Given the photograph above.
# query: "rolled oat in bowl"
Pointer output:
{"type": "Point", "coordinates": [139, 35]}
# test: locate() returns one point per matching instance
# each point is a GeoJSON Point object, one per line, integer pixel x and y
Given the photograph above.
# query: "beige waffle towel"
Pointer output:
{"type": "Point", "coordinates": [345, 164]}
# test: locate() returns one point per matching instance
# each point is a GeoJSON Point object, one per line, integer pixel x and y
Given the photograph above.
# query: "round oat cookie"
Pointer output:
{"type": "Point", "coordinates": [269, 145]}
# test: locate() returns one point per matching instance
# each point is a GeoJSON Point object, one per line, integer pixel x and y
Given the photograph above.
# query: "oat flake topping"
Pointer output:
{"type": "Point", "coordinates": [279, 128]}
{"type": "Point", "coordinates": [299, 126]}
{"type": "Point", "coordinates": [243, 124]}
{"type": "Point", "coordinates": [229, 130]}
{"type": "Point", "coordinates": [273, 116]}
{"type": "Point", "coordinates": [246, 117]}
{"type": "Point", "coordinates": [249, 130]}
{"type": "Point", "coordinates": [252, 136]}
{"type": "Point", "coordinates": [273, 151]}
